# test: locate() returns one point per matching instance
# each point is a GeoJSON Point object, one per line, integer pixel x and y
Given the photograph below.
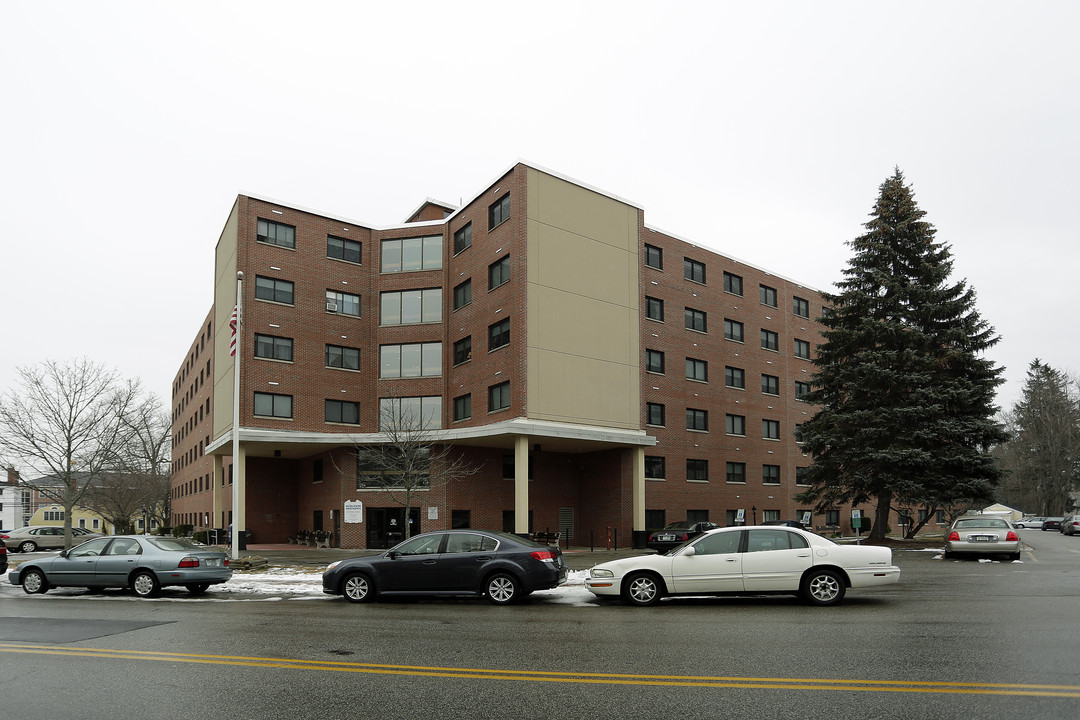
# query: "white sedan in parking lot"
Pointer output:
{"type": "Point", "coordinates": [752, 560]}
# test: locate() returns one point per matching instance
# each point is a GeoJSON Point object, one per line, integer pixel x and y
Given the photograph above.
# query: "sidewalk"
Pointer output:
{"type": "Point", "coordinates": [282, 554]}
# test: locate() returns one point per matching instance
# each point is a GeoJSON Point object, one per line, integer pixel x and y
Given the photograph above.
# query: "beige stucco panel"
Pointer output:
{"type": "Point", "coordinates": [224, 300]}
{"type": "Point", "coordinates": [561, 259]}
{"type": "Point", "coordinates": [572, 388]}
{"type": "Point", "coordinates": [563, 204]}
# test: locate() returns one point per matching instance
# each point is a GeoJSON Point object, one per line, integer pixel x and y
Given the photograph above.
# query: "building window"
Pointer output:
{"type": "Point", "coordinates": [768, 295]}
{"type": "Point", "coordinates": [463, 407]}
{"type": "Point", "coordinates": [654, 361]}
{"type": "Point", "coordinates": [273, 348]}
{"type": "Point", "coordinates": [733, 284]}
{"type": "Point", "coordinates": [409, 254]}
{"type": "Point", "coordinates": [654, 414]}
{"type": "Point", "coordinates": [770, 474]}
{"type": "Point", "coordinates": [463, 238]}
{"type": "Point", "coordinates": [695, 320]}
{"type": "Point", "coordinates": [499, 212]}
{"type": "Point", "coordinates": [342, 303]}
{"type": "Point", "coordinates": [499, 334]}
{"type": "Point", "coordinates": [339, 411]}
{"type": "Point", "coordinates": [272, 405]}
{"type": "Point", "coordinates": [460, 519]}
{"type": "Point", "coordinates": [801, 306]}
{"type": "Point", "coordinates": [421, 413]}
{"type": "Point", "coordinates": [654, 468]}
{"type": "Point", "coordinates": [697, 419]}
{"type": "Point", "coordinates": [654, 308]}
{"type": "Point", "coordinates": [734, 377]}
{"type": "Point", "coordinates": [697, 370]}
{"type": "Point", "coordinates": [342, 249]}
{"type": "Point", "coordinates": [800, 476]}
{"type": "Point", "coordinates": [773, 516]}
{"type": "Point", "coordinates": [832, 517]}
{"type": "Point", "coordinates": [802, 349]}
{"type": "Point", "coordinates": [463, 350]}
{"type": "Point", "coordinates": [499, 273]}
{"type": "Point", "coordinates": [770, 340]}
{"type": "Point", "coordinates": [499, 396]}
{"type": "Point", "coordinates": [736, 425]}
{"type": "Point", "coordinates": [736, 472]}
{"type": "Point", "coordinates": [799, 433]}
{"type": "Point", "coordinates": [411, 307]}
{"type": "Point", "coordinates": [802, 389]}
{"type": "Point", "coordinates": [463, 294]}
{"type": "Point", "coordinates": [770, 429]}
{"type": "Point", "coordinates": [694, 270]}
{"type": "Point", "coordinates": [413, 360]}
{"type": "Point", "coordinates": [274, 290]}
{"type": "Point", "coordinates": [274, 233]}
{"type": "Point", "coordinates": [697, 470]}
{"type": "Point", "coordinates": [733, 330]}
{"type": "Point", "coordinates": [345, 358]}
{"type": "Point", "coordinates": [770, 384]}
{"type": "Point", "coordinates": [654, 257]}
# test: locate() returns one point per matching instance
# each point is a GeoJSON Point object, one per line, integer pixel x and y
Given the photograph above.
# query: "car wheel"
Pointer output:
{"type": "Point", "coordinates": [357, 588]}
{"type": "Point", "coordinates": [502, 589]}
{"type": "Point", "coordinates": [145, 584]}
{"type": "Point", "coordinates": [947, 555]}
{"type": "Point", "coordinates": [197, 588]}
{"type": "Point", "coordinates": [34, 582]}
{"type": "Point", "coordinates": [1014, 556]}
{"type": "Point", "coordinates": [27, 546]}
{"type": "Point", "coordinates": [823, 587]}
{"type": "Point", "coordinates": [642, 589]}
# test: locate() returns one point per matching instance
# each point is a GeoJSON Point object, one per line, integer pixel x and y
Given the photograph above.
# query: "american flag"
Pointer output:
{"type": "Point", "coordinates": [232, 340]}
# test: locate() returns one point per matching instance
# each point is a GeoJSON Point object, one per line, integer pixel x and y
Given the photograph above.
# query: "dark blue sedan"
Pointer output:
{"type": "Point", "coordinates": [500, 566]}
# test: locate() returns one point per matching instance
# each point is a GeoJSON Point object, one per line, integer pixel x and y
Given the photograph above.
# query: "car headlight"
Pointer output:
{"type": "Point", "coordinates": [332, 565]}
{"type": "Point", "coordinates": [601, 573]}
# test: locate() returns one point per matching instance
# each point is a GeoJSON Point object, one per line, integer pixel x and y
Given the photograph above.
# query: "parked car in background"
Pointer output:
{"type": "Point", "coordinates": [503, 567]}
{"type": "Point", "coordinates": [755, 560]}
{"type": "Point", "coordinates": [675, 534]}
{"type": "Point", "coordinates": [3, 559]}
{"type": "Point", "coordinates": [143, 563]}
{"type": "Point", "coordinates": [787, 523]}
{"type": "Point", "coordinates": [982, 535]}
{"type": "Point", "coordinates": [1029, 522]}
{"type": "Point", "coordinates": [1052, 523]}
{"type": "Point", "coordinates": [43, 537]}
{"type": "Point", "coordinates": [1071, 525]}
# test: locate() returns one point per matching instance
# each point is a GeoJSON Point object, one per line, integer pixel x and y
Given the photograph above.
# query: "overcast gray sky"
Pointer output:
{"type": "Point", "coordinates": [761, 130]}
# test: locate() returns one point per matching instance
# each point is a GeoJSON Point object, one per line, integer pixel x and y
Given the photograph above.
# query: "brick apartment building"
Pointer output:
{"type": "Point", "coordinates": [602, 376]}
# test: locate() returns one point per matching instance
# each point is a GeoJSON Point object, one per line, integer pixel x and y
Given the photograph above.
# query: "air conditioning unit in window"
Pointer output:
{"type": "Point", "coordinates": [331, 307]}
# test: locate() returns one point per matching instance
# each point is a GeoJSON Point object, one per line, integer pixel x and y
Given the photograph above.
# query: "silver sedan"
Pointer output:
{"type": "Point", "coordinates": [982, 535]}
{"type": "Point", "coordinates": [143, 563]}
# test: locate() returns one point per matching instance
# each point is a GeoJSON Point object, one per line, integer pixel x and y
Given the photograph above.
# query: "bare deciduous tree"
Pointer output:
{"type": "Point", "coordinates": [63, 423]}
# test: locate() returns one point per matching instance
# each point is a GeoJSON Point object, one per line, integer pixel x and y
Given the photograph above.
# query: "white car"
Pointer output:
{"type": "Point", "coordinates": [1029, 522]}
{"type": "Point", "coordinates": [752, 560]}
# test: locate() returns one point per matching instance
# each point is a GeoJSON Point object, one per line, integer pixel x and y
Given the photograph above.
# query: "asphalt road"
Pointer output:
{"type": "Point", "coordinates": [954, 639]}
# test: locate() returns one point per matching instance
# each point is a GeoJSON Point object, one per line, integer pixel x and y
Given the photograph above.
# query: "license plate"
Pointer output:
{"type": "Point", "coordinates": [213, 562]}
{"type": "Point", "coordinates": [982, 538]}
{"type": "Point", "coordinates": [667, 537]}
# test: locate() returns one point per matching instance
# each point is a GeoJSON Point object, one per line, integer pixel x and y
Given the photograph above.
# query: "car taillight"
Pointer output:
{"type": "Point", "coordinates": [1012, 536]}
{"type": "Point", "coordinates": [542, 554]}
{"type": "Point", "coordinates": [954, 535]}
{"type": "Point", "coordinates": [685, 536]}
{"type": "Point", "coordinates": [189, 562]}
{"type": "Point", "coordinates": [226, 562]}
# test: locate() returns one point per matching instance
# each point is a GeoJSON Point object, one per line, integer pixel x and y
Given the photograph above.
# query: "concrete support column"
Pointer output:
{"type": "Point", "coordinates": [218, 507]}
{"type": "Point", "coordinates": [639, 538]}
{"type": "Point", "coordinates": [521, 484]}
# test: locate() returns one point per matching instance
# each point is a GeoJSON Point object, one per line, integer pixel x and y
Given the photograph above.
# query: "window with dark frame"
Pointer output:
{"type": "Point", "coordinates": [733, 330]}
{"type": "Point", "coordinates": [697, 370]}
{"type": "Point", "coordinates": [463, 350]}
{"type": "Point", "coordinates": [697, 419]}
{"type": "Point", "coordinates": [499, 396]}
{"type": "Point", "coordinates": [697, 470]}
{"type": "Point", "coordinates": [411, 254]}
{"type": "Point", "coordinates": [770, 340]}
{"type": "Point", "coordinates": [273, 348]}
{"type": "Point", "coordinates": [655, 467]}
{"type": "Point", "coordinates": [654, 308]}
{"type": "Point", "coordinates": [499, 334]}
{"type": "Point", "coordinates": [802, 389]}
{"type": "Point", "coordinates": [499, 212]}
{"type": "Point", "coordinates": [463, 294]}
{"type": "Point", "coordinates": [768, 295]}
{"type": "Point", "coordinates": [695, 320]}
{"type": "Point", "coordinates": [733, 283]}
{"type": "Point", "coordinates": [345, 358]}
{"type": "Point", "coordinates": [499, 273]}
{"type": "Point", "coordinates": [736, 472]}
{"type": "Point", "coordinates": [341, 411]}
{"type": "Point", "coordinates": [734, 377]}
{"type": "Point", "coordinates": [654, 414]}
{"type": "Point", "coordinates": [802, 349]}
{"type": "Point", "coordinates": [770, 429]}
{"type": "Point", "coordinates": [770, 474]}
{"type": "Point", "coordinates": [463, 407]}
{"type": "Point", "coordinates": [736, 425]}
{"type": "Point", "coordinates": [654, 257]}
{"type": "Point", "coordinates": [799, 439]}
{"type": "Point", "coordinates": [342, 303]}
{"type": "Point", "coordinates": [800, 306]}
{"type": "Point", "coordinates": [275, 233]}
{"type": "Point", "coordinates": [654, 361]}
{"type": "Point", "coordinates": [800, 476]}
{"type": "Point", "coordinates": [770, 384]}
{"type": "Point", "coordinates": [694, 270]}
{"type": "Point", "coordinates": [463, 238]}
{"type": "Point", "coordinates": [274, 290]}
{"type": "Point", "coordinates": [342, 249]}
{"type": "Point", "coordinates": [273, 405]}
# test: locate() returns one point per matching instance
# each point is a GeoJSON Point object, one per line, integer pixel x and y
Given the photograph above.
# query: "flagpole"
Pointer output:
{"type": "Point", "coordinates": [236, 530]}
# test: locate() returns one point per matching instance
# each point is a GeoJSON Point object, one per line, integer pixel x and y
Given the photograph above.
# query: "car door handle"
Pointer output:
{"type": "Point", "coordinates": [430, 562]}
{"type": "Point", "coordinates": [483, 559]}
{"type": "Point", "coordinates": [730, 559]}
{"type": "Point", "coordinates": [803, 555]}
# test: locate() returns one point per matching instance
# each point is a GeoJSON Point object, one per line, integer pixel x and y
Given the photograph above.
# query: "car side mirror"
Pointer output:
{"type": "Point", "coordinates": [690, 551]}
{"type": "Point", "coordinates": [392, 554]}
{"type": "Point", "coordinates": [63, 553]}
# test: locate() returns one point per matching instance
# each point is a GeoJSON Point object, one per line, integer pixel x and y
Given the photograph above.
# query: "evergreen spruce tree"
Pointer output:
{"type": "Point", "coordinates": [906, 397]}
